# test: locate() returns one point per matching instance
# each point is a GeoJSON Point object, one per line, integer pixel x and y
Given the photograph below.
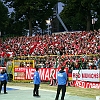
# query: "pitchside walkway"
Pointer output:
{"type": "Point", "coordinates": [24, 93]}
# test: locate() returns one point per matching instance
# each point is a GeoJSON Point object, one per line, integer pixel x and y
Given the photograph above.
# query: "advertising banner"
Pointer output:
{"type": "Point", "coordinates": [84, 84]}
{"type": "Point", "coordinates": [19, 73]}
{"type": "Point", "coordinates": [86, 75]}
{"type": "Point", "coordinates": [2, 68]}
{"type": "Point", "coordinates": [22, 73]}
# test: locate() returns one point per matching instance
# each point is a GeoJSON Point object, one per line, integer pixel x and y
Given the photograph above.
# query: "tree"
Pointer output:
{"type": "Point", "coordinates": [32, 11]}
{"type": "Point", "coordinates": [79, 12]}
{"type": "Point", "coordinates": [3, 17]}
{"type": "Point", "coordinates": [15, 28]}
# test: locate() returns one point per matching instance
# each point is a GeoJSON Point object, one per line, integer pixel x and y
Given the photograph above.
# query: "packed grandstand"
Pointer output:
{"type": "Point", "coordinates": [70, 49]}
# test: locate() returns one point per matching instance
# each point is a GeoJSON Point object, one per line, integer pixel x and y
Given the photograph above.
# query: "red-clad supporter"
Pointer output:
{"type": "Point", "coordinates": [72, 43]}
{"type": "Point", "coordinates": [3, 56]}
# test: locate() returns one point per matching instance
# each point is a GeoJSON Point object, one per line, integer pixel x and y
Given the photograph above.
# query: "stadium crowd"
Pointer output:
{"type": "Point", "coordinates": [85, 46]}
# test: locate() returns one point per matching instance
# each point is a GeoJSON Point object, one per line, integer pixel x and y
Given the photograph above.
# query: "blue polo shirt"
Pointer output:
{"type": "Point", "coordinates": [62, 77]}
{"type": "Point", "coordinates": [36, 78]}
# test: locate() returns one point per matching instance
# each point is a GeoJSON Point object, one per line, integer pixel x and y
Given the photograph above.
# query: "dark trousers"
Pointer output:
{"type": "Point", "coordinates": [59, 88]}
{"type": "Point", "coordinates": [36, 89]}
{"type": "Point", "coordinates": [1, 84]}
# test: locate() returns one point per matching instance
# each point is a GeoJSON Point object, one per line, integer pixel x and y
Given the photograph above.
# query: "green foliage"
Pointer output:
{"type": "Point", "coordinates": [32, 11]}
{"type": "Point", "coordinates": [76, 15]}
{"type": "Point", "coordinates": [3, 17]}
{"type": "Point", "coordinates": [78, 12]}
{"type": "Point", "coordinates": [14, 28]}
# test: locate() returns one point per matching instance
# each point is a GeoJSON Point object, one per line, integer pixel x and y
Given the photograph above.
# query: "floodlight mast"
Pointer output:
{"type": "Point", "coordinates": [48, 23]}
{"type": "Point", "coordinates": [56, 14]}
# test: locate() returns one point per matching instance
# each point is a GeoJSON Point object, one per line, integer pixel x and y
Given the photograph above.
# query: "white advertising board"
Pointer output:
{"type": "Point", "coordinates": [86, 75]}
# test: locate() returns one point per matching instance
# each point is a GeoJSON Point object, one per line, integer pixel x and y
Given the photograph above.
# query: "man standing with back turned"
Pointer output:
{"type": "Point", "coordinates": [37, 82]}
{"type": "Point", "coordinates": [62, 80]}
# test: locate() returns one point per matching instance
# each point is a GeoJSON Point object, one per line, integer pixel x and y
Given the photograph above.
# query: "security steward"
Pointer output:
{"type": "Point", "coordinates": [37, 82]}
{"type": "Point", "coordinates": [3, 80]}
{"type": "Point", "coordinates": [62, 80]}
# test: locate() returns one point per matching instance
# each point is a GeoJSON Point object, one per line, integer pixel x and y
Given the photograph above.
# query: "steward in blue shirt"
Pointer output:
{"type": "Point", "coordinates": [3, 80]}
{"type": "Point", "coordinates": [37, 82]}
{"type": "Point", "coordinates": [62, 80]}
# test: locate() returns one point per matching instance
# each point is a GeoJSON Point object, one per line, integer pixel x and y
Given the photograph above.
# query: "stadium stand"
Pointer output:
{"type": "Point", "coordinates": [71, 43]}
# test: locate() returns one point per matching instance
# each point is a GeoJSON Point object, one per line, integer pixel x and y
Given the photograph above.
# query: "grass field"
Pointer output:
{"type": "Point", "coordinates": [91, 93]}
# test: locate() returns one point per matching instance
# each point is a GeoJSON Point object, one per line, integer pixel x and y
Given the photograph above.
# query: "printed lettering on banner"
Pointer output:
{"type": "Point", "coordinates": [84, 84]}
{"type": "Point", "coordinates": [29, 72]}
{"type": "Point", "coordinates": [86, 75]}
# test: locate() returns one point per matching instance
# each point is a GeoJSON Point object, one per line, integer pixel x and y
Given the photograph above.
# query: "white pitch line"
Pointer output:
{"type": "Point", "coordinates": [51, 91]}
{"type": "Point", "coordinates": [28, 88]}
{"type": "Point", "coordinates": [20, 87]}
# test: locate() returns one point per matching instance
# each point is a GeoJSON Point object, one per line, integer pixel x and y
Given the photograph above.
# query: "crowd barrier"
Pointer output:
{"type": "Point", "coordinates": [84, 79]}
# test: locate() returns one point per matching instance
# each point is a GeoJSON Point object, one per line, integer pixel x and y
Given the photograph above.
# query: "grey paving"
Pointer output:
{"type": "Point", "coordinates": [27, 95]}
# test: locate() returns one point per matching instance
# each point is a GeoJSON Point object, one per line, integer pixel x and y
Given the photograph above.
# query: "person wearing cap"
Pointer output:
{"type": "Point", "coordinates": [62, 81]}
{"type": "Point", "coordinates": [3, 80]}
{"type": "Point", "coordinates": [37, 82]}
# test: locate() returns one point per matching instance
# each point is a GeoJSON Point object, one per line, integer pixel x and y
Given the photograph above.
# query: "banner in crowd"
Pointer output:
{"type": "Point", "coordinates": [21, 73]}
{"type": "Point", "coordinates": [2, 68]}
{"type": "Point", "coordinates": [86, 75]}
{"type": "Point", "coordinates": [84, 84]}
